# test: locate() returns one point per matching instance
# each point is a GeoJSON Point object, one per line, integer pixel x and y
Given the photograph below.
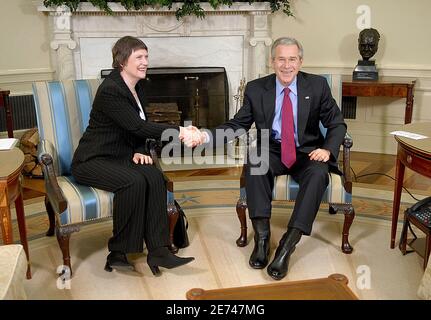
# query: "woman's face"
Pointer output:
{"type": "Point", "coordinates": [137, 64]}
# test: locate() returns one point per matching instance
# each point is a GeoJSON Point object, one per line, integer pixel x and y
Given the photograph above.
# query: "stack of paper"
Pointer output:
{"type": "Point", "coordinates": [410, 135]}
{"type": "Point", "coordinates": [8, 143]}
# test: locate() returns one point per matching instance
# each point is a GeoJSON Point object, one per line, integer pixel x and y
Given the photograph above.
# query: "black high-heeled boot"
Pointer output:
{"type": "Point", "coordinates": [117, 260]}
{"type": "Point", "coordinates": [279, 266]}
{"type": "Point", "coordinates": [262, 234]}
{"type": "Point", "coordinates": [162, 257]}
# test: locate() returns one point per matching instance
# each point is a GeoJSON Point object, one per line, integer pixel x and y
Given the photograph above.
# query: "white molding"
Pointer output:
{"type": "Point", "coordinates": [25, 75]}
{"type": "Point", "coordinates": [393, 71]}
{"type": "Point", "coordinates": [117, 8]}
{"type": "Point", "coordinates": [18, 81]}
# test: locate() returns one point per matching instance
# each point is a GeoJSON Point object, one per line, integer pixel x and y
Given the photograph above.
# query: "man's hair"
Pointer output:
{"type": "Point", "coordinates": [287, 41]}
{"type": "Point", "coordinates": [123, 48]}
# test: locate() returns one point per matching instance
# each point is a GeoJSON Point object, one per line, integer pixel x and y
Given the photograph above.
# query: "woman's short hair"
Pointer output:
{"type": "Point", "coordinates": [123, 48]}
{"type": "Point", "coordinates": [287, 41]}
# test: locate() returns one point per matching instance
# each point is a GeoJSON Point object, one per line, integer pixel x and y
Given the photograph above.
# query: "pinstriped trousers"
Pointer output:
{"type": "Point", "coordinates": [139, 205]}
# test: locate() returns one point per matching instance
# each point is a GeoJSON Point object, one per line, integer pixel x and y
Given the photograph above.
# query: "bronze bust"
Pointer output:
{"type": "Point", "coordinates": [368, 43]}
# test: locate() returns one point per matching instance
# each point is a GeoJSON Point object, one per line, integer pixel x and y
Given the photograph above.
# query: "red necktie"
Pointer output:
{"type": "Point", "coordinates": [288, 148]}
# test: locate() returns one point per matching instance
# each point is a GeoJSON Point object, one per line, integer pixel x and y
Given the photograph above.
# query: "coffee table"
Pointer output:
{"type": "Point", "coordinates": [333, 287]}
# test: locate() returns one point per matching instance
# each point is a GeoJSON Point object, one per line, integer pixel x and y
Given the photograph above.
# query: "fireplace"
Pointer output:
{"type": "Point", "coordinates": [235, 37]}
{"type": "Point", "coordinates": [179, 95]}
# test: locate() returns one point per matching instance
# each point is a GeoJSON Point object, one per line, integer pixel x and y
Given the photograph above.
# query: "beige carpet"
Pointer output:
{"type": "Point", "coordinates": [374, 271]}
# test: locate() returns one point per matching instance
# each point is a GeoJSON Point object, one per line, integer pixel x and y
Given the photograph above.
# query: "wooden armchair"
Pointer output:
{"type": "Point", "coordinates": [63, 110]}
{"type": "Point", "coordinates": [338, 193]}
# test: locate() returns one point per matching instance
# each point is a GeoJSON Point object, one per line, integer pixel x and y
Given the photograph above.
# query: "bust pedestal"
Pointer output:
{"type": "Point", "coordinates": [365, 70]}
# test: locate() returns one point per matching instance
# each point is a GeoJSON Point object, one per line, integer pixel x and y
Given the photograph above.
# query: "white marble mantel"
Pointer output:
{"type": "Point", "coordinates": [236, 38]}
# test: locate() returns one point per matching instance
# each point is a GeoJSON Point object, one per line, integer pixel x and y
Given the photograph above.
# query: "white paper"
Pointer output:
{"type": "Point", "coordinates": [8, 143]}
{"type": "Point", "coordinates": [410, 135]}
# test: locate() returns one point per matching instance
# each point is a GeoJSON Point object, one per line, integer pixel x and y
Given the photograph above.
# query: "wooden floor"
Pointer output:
{"type": "Point", "coordinates": [373, 169]}
{"type": "Point", "coordinates": [379, 170]}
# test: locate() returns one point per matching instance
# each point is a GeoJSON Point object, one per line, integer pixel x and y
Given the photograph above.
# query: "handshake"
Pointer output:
{"type": "Point", "coordinates": [192, 136]}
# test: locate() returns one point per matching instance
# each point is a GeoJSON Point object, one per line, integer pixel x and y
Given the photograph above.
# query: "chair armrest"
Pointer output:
{"type": "Point", "coordinates": [46, 158]}
{"type": "Point", "coordinates": [46, 147]}
{"type": "Point", "coordinates": [154, 146]}
{"type": "Point", "coordinates": [347, 144]}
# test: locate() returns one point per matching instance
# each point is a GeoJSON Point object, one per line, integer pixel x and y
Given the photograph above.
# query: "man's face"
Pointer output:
{"type": "Point", "coordinates": [286, 63]}
{"type": "Point", "coordinates": [137, 64]}
{"type": "Point", "coordinates": [368, 45]}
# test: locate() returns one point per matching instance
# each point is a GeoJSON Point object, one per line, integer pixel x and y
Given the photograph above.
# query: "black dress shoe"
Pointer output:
{"type": "Point", "coordinates": [279, 266]}
{"type": "Point", "coordinates": [162, 257]}
{"type": "Point", "coordinates": [117, 260]}
{"type": "Point", "coordinates": [262, 234]}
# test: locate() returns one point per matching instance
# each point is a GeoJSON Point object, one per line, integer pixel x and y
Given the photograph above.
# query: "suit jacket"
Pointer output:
{"type": "Point", "coordinates": [115, 129]}
{"type": "Point", "coordinates": [315, 103]}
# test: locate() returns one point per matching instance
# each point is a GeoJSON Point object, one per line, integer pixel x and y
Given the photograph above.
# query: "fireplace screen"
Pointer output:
{"type": "Point", "coordinates": [177, 95]}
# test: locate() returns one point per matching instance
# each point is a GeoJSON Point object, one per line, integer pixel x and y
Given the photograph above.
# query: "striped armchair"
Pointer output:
{"type": "Point", "coordinates": [338, 194]}
{"type": "Point", "coordinates": [63, 111]}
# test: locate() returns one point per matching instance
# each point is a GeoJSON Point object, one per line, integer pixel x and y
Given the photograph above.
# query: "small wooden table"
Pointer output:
{"type": "Point", "coordinates": [333, 287]}
{"type": "Point", "coordinates": [384, 87]}
{"type": "Point", "coordinates": [4, 102]}
{"type": "Point", "coordinates": [415, 155]}
{"type": "Point", "coordinates": [11, 164]}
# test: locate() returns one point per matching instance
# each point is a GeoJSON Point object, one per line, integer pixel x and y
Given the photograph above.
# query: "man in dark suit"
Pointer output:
{"type": "Point", "coordinates": [289, 104]}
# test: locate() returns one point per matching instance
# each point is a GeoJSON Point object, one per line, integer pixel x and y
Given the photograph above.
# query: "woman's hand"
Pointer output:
{"type": "Point", "coordinates": [142, 158]}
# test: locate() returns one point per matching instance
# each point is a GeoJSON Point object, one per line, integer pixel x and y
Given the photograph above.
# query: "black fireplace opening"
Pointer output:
{"type": "Point", "coordinates": [175, 95]}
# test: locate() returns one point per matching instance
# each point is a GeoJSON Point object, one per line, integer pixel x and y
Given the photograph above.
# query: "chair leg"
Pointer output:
{"type": "Point", "coordinates": [173, 218]}
{"type": "Point", "coordinates": [51, 218]}
{"type": "Point", "coordinates": [427, 250]}
{"type": "Point", "coordinates": [403, 239]}
{"type": "Point", "coordinates": [63, 237]}
{"type": "Point", "coordinates": [349, 215]}
{"type": "Point", "coordinates": [241, 206]}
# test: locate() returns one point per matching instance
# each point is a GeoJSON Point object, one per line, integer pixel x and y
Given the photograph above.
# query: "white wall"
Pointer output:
{"type": "Point", "coordinates": [24, 46]}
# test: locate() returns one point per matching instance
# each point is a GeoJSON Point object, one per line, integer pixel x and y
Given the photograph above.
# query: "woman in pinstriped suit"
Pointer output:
{"type": "Point", "coordinates": [111, 156]}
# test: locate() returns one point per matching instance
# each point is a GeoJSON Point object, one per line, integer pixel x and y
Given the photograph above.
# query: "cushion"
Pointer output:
{"type": "Point", "coordinates": [13, 268]}
{"type": "Point", "coordinates": [83, 203]}
{"type": "Point", "coordinates": [63, 111]}
{"type": "Point", "coordinates": [285, 188]}
{"type": "Point", "coordinates": [424, 290]}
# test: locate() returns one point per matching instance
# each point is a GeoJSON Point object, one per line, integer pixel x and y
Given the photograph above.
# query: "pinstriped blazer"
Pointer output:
{"type": "Point", "coordinates": [115, 129]}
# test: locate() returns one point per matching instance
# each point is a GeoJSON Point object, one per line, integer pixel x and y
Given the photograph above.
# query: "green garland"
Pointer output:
{"type": "Point", "coordinates": [189, 7]}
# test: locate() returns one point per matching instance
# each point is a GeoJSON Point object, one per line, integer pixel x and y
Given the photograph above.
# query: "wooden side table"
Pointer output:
{"type": "Point", "coordinates": [11, 164]}
{"type": "Point", "coordinates": [333, 287]}
{"type": "Point", "coordinates": [395, 87]}
{"type": "Point", "coordinates": [4, 102]}
{"type": "Point", "coordinates": [415, 155]}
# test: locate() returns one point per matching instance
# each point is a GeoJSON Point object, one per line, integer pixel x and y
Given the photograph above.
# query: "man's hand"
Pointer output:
{"type": "Point", "coordinates": [191, 136]}
{"type": "Point", "coordinates": [142, 158]}
{"type": "Point", "coordinates": [319, 155]}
